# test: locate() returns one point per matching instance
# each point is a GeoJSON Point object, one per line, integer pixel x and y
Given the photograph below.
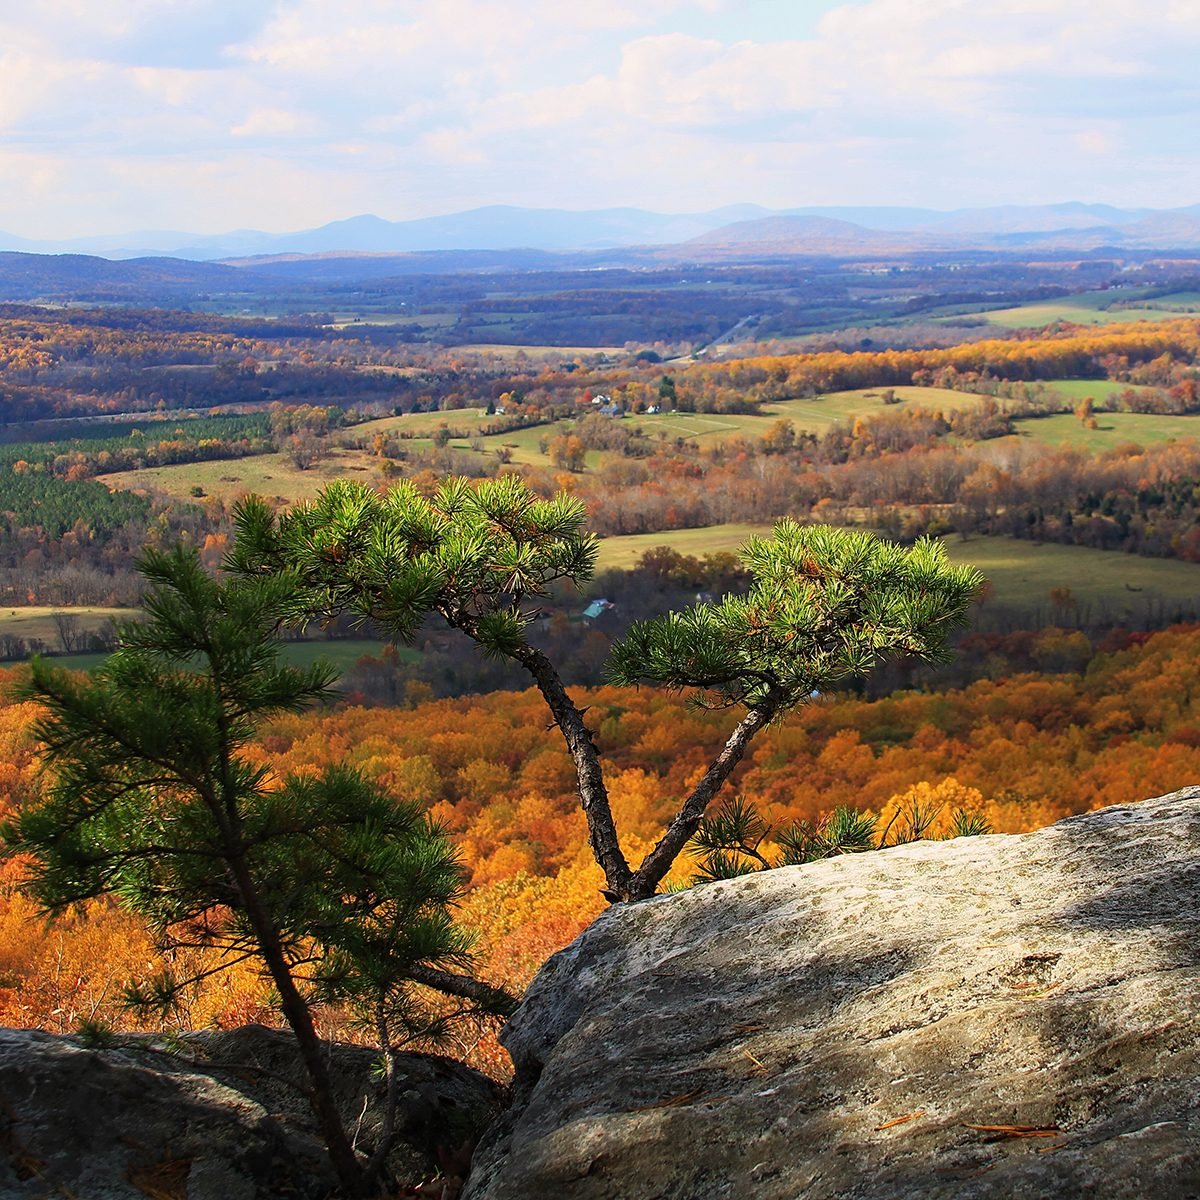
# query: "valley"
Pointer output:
{"type": "Point", "coordinates": [1051, 441]}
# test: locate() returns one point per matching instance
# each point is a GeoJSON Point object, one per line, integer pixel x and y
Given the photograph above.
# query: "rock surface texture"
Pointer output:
{"type": "Point", "coordinates": [221, 1117]}
{"type": "Point", "coordinates": [990, 1017]}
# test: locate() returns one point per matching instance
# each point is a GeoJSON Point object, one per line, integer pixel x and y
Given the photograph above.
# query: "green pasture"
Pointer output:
{"type": "Point", "coordinates": [1112, 429]}
{"type": "Point", "coordinates": [807, 416]}
{"type": "Point", "coordinates": [704, 428]}
{"type": "Point", "coordinates": [1095, 308]}
{"type": "Point", "coordinates": [1099, 390]}
{"type": "Point", "coordinates": [274, 476]}
{"type": "Point", "coordinates": [1022, 573]}
{"type": "Point", "coordinates": [523, 442]}
{"type": "Point", "coordinates": [1116, 585]}
{"type": "Point", "coordinates": [424, 423]}
{"type": "Point", "coordinates": [621, 553]}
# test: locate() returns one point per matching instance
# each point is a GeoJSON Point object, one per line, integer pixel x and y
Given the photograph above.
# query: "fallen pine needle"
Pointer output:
{"type": "Point", "coordinates": [912, 1116]}
{"type": "Point", "coordinates": [1017, 1131]}
{"type": "Point", "coordinates": [761, 1066]}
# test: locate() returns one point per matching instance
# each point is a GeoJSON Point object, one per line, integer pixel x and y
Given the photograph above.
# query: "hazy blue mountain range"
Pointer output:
{"type": "Point", "coordinates": [736, 228]}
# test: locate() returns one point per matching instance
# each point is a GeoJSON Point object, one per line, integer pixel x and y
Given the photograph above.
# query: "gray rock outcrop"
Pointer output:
{"type": "Point", "coordinates": [221, 1117]}
{"type": "Point", "coordinates": [992, 1017]}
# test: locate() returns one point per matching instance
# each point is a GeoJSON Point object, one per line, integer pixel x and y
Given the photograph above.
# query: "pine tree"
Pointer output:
{"type": "Point", "coordinates": [825, 606]}
{"type": "Point", "coordinates": [340, 892]}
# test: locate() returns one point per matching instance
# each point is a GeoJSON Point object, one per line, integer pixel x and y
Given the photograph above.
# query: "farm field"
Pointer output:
{"type": "Point", "coordinates": [1117, 586]}
{"type": "Point", "coordinates": [36, 622]}
{"type": "Point", "coordinates": [808, 416]}
{"type": "Point", "coordinates": [271, 475]}
{"type": "Point", "coordinates": [1094, 308]}
{"type": "Point", "coordinates": [1100, 390]}
{"type": "Point", "coordinates": [815, 416]}
{"type": "Point", "coordinates": [702, 428]}
{"type": "Point", "coordinates": [1112, 429]}
{"type": "Point", "coordinates": [424, 423]}
{"type": "Point", "coordinates": [621, 553]}
{"type": "Point", "coordinates": [1022, 573]}
{"type": "Point", "coordinates": [522, 442]}
{"type": "Point", "coordinates": [277, 478]}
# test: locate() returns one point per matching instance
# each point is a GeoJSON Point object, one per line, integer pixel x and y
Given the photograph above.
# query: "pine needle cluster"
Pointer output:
{"type": "Point", "coordinates": [733, 840]}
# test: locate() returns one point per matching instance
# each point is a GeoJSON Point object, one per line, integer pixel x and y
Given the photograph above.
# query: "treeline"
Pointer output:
{"type": "Point", "coordinates": [83, 451]}
{"type": "Point", "coordinates": [95, 364]}
{"type": "Point", "coordinates": [1104, 353]}
{"type": "Point", "coordinates": [74, 543]}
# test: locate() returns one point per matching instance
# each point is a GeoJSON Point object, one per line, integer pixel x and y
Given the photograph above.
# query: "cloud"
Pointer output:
{"type": "Point", "coordinates": [407, 107]}
{"type": "Point", "coordinates": [275, 122]}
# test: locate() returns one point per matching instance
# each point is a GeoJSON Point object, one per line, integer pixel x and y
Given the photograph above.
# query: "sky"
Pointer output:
{"type": "Point", "coordinates": [212, 115]}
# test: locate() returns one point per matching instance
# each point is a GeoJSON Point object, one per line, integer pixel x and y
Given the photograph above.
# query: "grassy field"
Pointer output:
{"type": "Point", "coordinates": [622, 552]}
{"type": "Point", "coordinates": [270, 475]}
{"type": "Point", "coordinates": [808, 416]}
{"type": "Point", "coordinates": [703, 428]}
{"type": "Point", "coordinates": [274, 475]}
{"type": "Point", "coordinates": [1112, 429]}
{"type": "Point", "coordinates": [424, 423]}
{"type": "Point", "coordinates": [523, 443]}
{"type": "Point", "coordinates": [37, 622]}
{"type": "Point", "coordinates": [1095, 308]}
{"type": "Point", "coordinates": [1021, 572]}
{"type": "Point", "coordinates": [1115, 584]}
{"type": "Point", "coordinates": [815, 416]}
{"type": "Point", "coordinates": [1100, 390]}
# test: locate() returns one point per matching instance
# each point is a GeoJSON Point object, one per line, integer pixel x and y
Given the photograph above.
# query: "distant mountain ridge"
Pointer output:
{"type": "Point", "coordinates": [1079, 231]}
{"type": "Point", "coordinates": [820, 229]}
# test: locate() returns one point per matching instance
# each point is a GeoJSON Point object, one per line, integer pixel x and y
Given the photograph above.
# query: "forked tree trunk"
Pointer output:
{"type": "Point", "coordinates": [658, 862]}
{"type": "Point", "coordinates": [623, 884]}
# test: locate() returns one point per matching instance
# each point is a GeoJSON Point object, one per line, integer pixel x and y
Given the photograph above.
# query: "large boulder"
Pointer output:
{"type": "Point", "coordinates": [216, 1116]}
{"type": "Point", "coordinates": [988, 1017]}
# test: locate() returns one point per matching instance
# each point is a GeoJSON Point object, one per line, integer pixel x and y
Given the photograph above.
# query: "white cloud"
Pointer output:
{"type": "Point", "coordinates": [411, 106]}
{"type": "Point", "coordinates": [275, 122]}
